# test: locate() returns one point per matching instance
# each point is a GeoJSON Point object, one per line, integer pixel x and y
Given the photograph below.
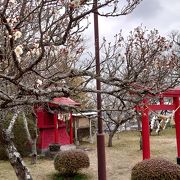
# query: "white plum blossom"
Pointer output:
{"type": "Point", "coordinates": [12, 1]}
{"type": "Point", "coordinates": [14, 20]}
{"type": "Point", "coordinates": [19, 50]}
{"type": "Point", "coordinates": [39, 82]}
{"type": "Point", "coordinates": [11, 21]}
{"type": "Point", "coordinates": [75, 3]}
{"type": "Point", "coordinates": [36, 45]}
{"type": "Point", "coordinates": [28, 53]}
{"type": "Point", "coordinates": [36, 51]}
{"type": "Point", "coordinates": [19, 59]}
{"type": "Point", "coordinates": [8, 20]}
{"type": "Point", "coordinates": [17, 34]}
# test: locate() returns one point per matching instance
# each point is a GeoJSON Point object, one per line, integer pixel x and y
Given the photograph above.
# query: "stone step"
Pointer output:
{"type": "Point", "coordinates": [67, 147]}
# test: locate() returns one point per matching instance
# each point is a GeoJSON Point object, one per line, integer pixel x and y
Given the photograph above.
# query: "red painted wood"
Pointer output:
{"type": "Point", "coordinates": [63, 136]}
{"type": "Point", "coordinates": [145, 133]}
{"type": "Point", "coordinates": [46, 137]}
{"type": "Point", "coordinates": [177, 123]}
{"type": "Point", "coordinates": [161, 100]}
{"type": "Point", "coordinates": [174, 92]}
{"type": "Point", "coordinates": [40, 116]}
{"type": "Point", "coordinates": [48, 134]}
{"type": "Point", "coordinates": [145, 107]}
{"type": "Point", "coordinates": [52, 130]}
{"type": "Point", "coordinates": [156, 107]}
{"type": "Point", "coordinates": [56, 129]}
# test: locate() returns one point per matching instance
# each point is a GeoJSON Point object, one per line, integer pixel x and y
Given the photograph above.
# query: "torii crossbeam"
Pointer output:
{"type": "Point", "coordinates": [146, 107]}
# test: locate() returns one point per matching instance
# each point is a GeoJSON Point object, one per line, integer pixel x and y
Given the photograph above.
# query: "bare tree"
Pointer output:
{"type": "Point", "coordinates": [115, 115]}
{"type": "Point", "coordinates": [39, 43]}
{"type": "Point", "coordinates": [142, 64]}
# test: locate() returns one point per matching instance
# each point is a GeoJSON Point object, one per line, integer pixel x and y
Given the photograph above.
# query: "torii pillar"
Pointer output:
{"type": "Point", "coordinates": [145, 131]}
{"type": "Point", "coordinates": [175, 94]}
{"type": "Point", "coordinates": [177, 124]}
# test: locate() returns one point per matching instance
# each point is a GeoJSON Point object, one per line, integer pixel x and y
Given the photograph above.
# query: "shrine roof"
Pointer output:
{"type": "Point", "coordinates": [66, 101]}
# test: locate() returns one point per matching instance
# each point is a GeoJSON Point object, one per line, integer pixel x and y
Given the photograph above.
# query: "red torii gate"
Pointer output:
{"type": "Point", "coordinates": [146, 107]}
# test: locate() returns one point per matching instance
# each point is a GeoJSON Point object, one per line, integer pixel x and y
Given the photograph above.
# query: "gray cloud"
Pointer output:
{"type": "Point", "coordinates": [148, 9]}
{"type": "Point", "coordinates": [160, 14]}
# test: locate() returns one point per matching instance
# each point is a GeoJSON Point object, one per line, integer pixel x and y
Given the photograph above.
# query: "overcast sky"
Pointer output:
{"type": "Point", "coordinates": [164, 15]}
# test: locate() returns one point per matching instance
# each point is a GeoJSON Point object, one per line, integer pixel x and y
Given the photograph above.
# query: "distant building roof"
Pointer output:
{"type": "Point", "coordinates": [85, 114]}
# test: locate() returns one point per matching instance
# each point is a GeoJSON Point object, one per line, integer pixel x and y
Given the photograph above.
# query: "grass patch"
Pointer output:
{"type": "Point", "coordinates": [79, 176]}
{"type": "Point", "coordinates": [169, 132]}
{"type": "Point", "coordinates": [120, 158]}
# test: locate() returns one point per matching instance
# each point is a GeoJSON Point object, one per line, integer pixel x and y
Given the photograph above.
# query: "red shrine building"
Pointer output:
{"type": "Point", "coordinates": [52, 125]}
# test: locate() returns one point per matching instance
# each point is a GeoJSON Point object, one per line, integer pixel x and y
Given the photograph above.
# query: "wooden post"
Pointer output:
{"type": "Point", "coordinates": [100, 134]}
{"type": "Point", "coordinates": [177, 124]}
{"type": "Point", "coordinates": [90, 132]}
{"type": "Point", "coordinates": [161, 101]}
{"type": "Point", "coordinates": [145, 131]}
{"type": "Point", "coordinates": [76, 128]}
{"type": "Point", "coordinates": [70, 128]}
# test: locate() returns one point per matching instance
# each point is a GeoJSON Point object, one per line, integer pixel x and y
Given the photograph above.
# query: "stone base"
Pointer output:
{"type": "Point", "coordinates": [178, 160]}
{"type": "Point", "coordinates": [54, 147]}
{"type": "Point", "coordinates": [67, 147]}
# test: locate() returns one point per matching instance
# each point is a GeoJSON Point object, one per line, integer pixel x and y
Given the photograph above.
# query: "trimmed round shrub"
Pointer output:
{"type": "Point", "coordinates": [155, 169]}
{"type": "Point", "coordinates": [71, 161]}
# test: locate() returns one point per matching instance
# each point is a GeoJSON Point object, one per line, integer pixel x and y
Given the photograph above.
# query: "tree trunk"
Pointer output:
{"type": "Point", "coordinates": [140, 142]}
{"type": "Point", "coordinates": [110, 139]}
{"type": "Point", "coordinates": [111, 135]}
{"type": "Point", "coordinates": [15, 158]}
{"type": "Point", "coordinates": [34, 151]}
{"type": "Point", "coordinates": [17, 162]}
{"type": "Point", "coordinates": [32, 140]}
{"type": "Point", "coordinates": [139, 124]}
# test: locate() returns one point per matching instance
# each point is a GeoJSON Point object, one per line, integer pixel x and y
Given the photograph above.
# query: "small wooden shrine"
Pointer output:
{"type": "Point", "coordinates": [51, 123]}
{"type": "Point", "coordinates": [83, 125]}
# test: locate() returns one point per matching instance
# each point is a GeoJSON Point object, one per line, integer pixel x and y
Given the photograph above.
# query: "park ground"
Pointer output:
{"type": "Point", "coordinates": [120, 158]}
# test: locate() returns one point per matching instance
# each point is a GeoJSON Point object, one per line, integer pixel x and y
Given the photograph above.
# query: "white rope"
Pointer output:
{"type": "Point", "coordinates": [164, 118]}
{"type": "Point", "coordinates": [153, 122]}
{"type": "Point", "coordinates": [166, 122]}
{"type": "Point", "coordinates": [158, 128]}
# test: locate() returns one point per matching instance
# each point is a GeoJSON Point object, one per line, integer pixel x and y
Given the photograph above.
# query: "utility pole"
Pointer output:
{"type": "Point", "coordinates": [100, 134]}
